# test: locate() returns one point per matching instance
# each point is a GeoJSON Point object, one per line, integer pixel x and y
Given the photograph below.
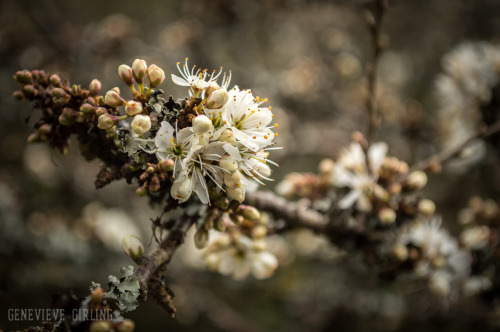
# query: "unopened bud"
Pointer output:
{"type": "Point", "coordinates": [139, 68]}
{"type": "Point", "coordinates": [201, 124]}
{"type": "Point", "coordinates": [232, 180]}
{"type": "Point", "coordinates": [259, 232]}
{"type": "Point", "coordinates": [106, 121]}
{"type": "Point", "coordinates": [249, 212]}
{"type": "Point", "coordinates": [125, 73]}
{"type": "Point", "coordinates": [133, 107]}
{"type": "Point", "coordinates": [19, 95]}
{"type": "Point", "coordinates": [100, 326]}
{"type": "Point", "coordinates": [426, 207]}
{"type": "Point", "coordinates": [219, 224]}
{"type": "Point", "coordinates": [182, 189]}
{"type": "Point", "coordinates": [217, 99]}
{"type": "Point", "coordinates": [133, 247]}
{"type": "Point", "coordinates": [29, 90]}
{"type": "Point", "coordinates": [96, 296]}
{"type": "Point", "coordinates": [166, 165]}
{"type": "Point", "coordinates": [213, 86]}
{"type": "Point", "coordinates": [126, 326]}
{"type": "Point", "coordinates": [33, 137]}
{"type": "Point", "coordinates": [238, 194]}
{"type": "Point", "coordinates": [228, 137]}
{"type": "Point", "coordinates": [23, 77]}
{"type": "Point", "coordinates": [55, 80]}
{"type": "Point", "coordinates": [95, 87]}
{"type": "Point", "coordinates": [86, 108]}
{"type": "Point", "coordinates": [75, 90]}
{"type": "Point", "coordinates": [155, 75]}
{"type": "Point", "coordinates": [113, 99]}
{"type": "Point", "coordinates": [236, 218]}
{"type": "Point", "coordinates": [439, 285]}
{"type": "Point", "coordinates": [141, 124]}
{"type": "Point", "coordinates": [400, 252]}
{"type": "Point", "coordinates": [222, 203]}
{"type": "Point", "coordinates": [229, 164]}
{"type": "Point", "coordinates": [201, 238]}
{"type": "Point", "coordinates": [416, 180]}
{"type": "Point", "coordinates": [59, 93]}
{"type": "Point", "coordinates": [116, 89]}
{"type": "Point", "coordinates": [141, 191]}
{"type": "Point", "coordinates": [387, 216]}
{"type": "Point", "coordinates": [326, 166]}
{"type": "Point", "coordinates": [100, 111]}
{"type": "Point", "coordinates": [262, 169]}
{"type": "Point", "coordinates": [476, 237]}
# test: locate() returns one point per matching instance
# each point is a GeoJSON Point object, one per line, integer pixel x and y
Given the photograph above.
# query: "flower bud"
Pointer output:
{"type": "Point", "coordinates": [68, 117]}
{"type": "Point", "coordinates": [249, 212]}
{"type": "Point", "coordinates": [238, 193]}
{"type": "Point", "coordinates": [426, 207]}
{"type": "Point", "coordinates": [416, 180]}
{"type": "Point", "coordinates": [116, 89]}
{"type": "Point", "coordinates": [439, 285]}
{"type": "Point", "coordinates": [86, 108]}
{"type": "Point", "coordinates": [236, 218]}
{"type": "Point", "coordinates": [219, 224]}
{"type": "Point", "coordinates": [113, 99]}
{"type": "Point", "coordinates": [19, 95]}
{"type": "Point", "coordinates": [222, 203]}
{"type": "Point", "coordinates": [23, 77]}
{"type": "Point", "coordinates": [213, 86]}
{"type": "Point", "coordinates": [100, 326]}
{"type": "Point", "coordinates": [217, 99]}
{"type": "Point", "coordinates": [139, 68]}
{"type": "Point", "coordinates": [155, 75]}
{"type": "Point", "coordinates": [387, 216]}
{"type": "Point", "coordinates": [141, 191]}
{"type": "Point", "coordinates": [201, 238]}
{"type": "Point", "coordinates": [141, 124]}
{"type": "Point", "coordinates": [233, 180]}
{"type": "Point", "coordinates": [201, 124]}
{"type": "Point", "coordinates": [400, 252]}
{"type": "Point", "coordinates": [262, 169]}
{"type": "Point", "coordinates": [59, 93]}
{"type": "Point", "coordinates": [100, 111]}
{"type": "Point", "coordinates": [133, 107]}
{"type": "Point", "coordinates": [166, 165]}
{"type": "Point", "coordinates": [181, 190]}
{"type": "Point", "coordinates": [96, 296]}
{"type": "Point", "coordinates": [29, 90]}
{"type": "Point", "coordinates": [126, 326]}
{"type": "Point", "coordinates": [228, 137]}
{"type": "Point", "coordinates": [229, 164]}
{"type": "Point", "coordinates": [55, 80]}
{"type": "Point", "coordinates": [259, 232]}
{"type": "Point", "coordinates": [133, 247]}
{"type": "Point", "coordinates": [125, 73]}
{"type": "Point", "coordinates": [106, 121]}
{"type": "Point", "coordinates": [95, 87]}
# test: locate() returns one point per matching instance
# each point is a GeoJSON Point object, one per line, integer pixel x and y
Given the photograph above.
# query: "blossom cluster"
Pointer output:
{"type": "Point", "coordinates": [221, 146]}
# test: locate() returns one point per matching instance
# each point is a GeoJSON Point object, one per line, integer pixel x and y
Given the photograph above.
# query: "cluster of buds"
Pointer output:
{"type": "Point", "coordinates": [136, 107]}
{"type": "Point", "coordinates": [480, 219]}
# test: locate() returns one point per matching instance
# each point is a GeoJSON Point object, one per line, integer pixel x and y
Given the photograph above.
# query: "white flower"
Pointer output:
{"type": "Point", "coordinates": [170, 147]}
{"type": "Point", "coordinates": [197, 80]}
{"type": "Point", "coordinates": [249, 123]}
{"type": "Point", "coordinates": [239, 259]}
{"type": "Point", "coordinates": [353, 170]}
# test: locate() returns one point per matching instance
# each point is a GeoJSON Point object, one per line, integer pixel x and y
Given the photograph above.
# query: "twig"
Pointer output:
{"type": "Point", "coordinates": [374, 19]}
{"type": "Point", "coordinates": [444, 156]}
{"type": "Point", "coordinates": [156, 261]}
{"type": "Point", "coordinates": [295, 214]}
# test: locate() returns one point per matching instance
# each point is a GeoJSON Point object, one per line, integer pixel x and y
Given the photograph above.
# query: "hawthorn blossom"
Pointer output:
{"type": "Point", "coordinates": [170, 147]}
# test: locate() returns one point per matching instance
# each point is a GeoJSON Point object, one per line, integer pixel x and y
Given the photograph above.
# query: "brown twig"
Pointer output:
{"type": "Point", "coordinates": [156, 261]}
{"type": "Point", "coordinates": [444, 156]}
{"type": "Point", "coordinates": [374, 19]}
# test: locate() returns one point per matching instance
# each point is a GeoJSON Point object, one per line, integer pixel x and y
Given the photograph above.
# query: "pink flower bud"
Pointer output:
{"type": "Point", "coordinates": [106, 121]}
{"type": "Point", "coordinates": [59, 93]}
{"type": "Point", "coordinates": [125, 73]}
{"type": "Point", "coordinates": [139, 68]}
{"type": "Point", "coordinates": [95, 87]}
{"type": "Point", "coordinates": [166, 165]}
{"type": "Point", "coordinates": [217, 99]}
{"type": "Point", "coordinates": [113, 99]}
{"type": "Point", "coordinates": [133, 108]}
{"type": "Point", "coordinates": [155, 75]}
{"type": "Point", "coordinates": [55, 80]}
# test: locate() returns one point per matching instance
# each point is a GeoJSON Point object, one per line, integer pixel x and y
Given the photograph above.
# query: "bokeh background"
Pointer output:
{"type": "Point", "coordinates": [57, 233]}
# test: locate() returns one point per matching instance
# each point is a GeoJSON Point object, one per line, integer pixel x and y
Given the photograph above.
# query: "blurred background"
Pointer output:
{"type": "Point", "coordinates": [57, 233]}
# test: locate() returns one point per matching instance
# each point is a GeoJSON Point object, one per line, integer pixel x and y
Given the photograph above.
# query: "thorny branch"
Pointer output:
{"type": "Point", "coordinates": [374, 19]}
